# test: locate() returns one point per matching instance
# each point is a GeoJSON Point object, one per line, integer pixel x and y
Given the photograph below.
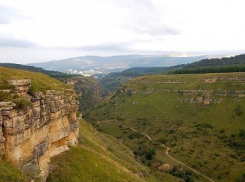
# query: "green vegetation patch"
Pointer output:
{"type": "Point", "coordinates": [41, 81]}
{"type": "Point", "coordinates": [200, 117]}
{"type": "Point", "coordinates": [81, 165]}
{"type": "Point", "coordinates": [22, 104]}
{"type": "Point", "coordinates": [9, 173]}
{"type": "Point", "coordinates": [100, 157]}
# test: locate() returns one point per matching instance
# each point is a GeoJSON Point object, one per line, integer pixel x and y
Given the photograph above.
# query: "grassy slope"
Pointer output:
{"type": "Point", "coordinates": [9, 173]}
{"type": "Point", "coordinates": [99, 157]}
{"type": "Point", "coordinates": [42, 82]}
{"type": "Point", "coordinates": [198, 135]}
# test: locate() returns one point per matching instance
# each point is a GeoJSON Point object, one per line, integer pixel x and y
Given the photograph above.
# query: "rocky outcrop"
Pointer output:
{"type": "Point", "coordinates": [30, 137]}
{"type": "Point", "coordinates": [21, 86]}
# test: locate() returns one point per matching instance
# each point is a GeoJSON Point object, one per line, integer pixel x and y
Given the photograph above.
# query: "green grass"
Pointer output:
{"type": "Point", "coordinates": [41, 81]}
{"type": "Point", "coordinates": [205, 137]}
{"type": "Point", "coordinates": [100, 157]}
{"type": "Point", "coordinates": [9, 173]}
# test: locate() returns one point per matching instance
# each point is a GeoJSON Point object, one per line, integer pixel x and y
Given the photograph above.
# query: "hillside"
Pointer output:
{"type": "Point", "coordinates": [199, 117]}
{"type": "Point", "coordinates": [113, 80]}
{"type": "Point", "coordinates": [235, 60]}
{"type": "Point", "coordinates": [223, 65]}
{"type": "Point", "coordinates": [9, 172]}
{"type": "Point", "coordinates": [54, 74]}
{"type": "Point", "coordinates": [100, 157]}
{"type": "Point", "coordinates": [40, 82]}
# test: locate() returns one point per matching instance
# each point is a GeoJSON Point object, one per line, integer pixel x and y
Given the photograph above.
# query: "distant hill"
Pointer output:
{"type": "Point", "coordinates": [223, 65]}
{"type": "Point", "coordinates": [114, 80]}
{"type": "Point", "coordinates": [90, 65]}
{"type": "Point", "coordinates": [236, 60]}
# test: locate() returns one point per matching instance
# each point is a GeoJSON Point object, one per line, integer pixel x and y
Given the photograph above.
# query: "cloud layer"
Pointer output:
{"type": "Point", "coordinates": [106, 27]}
{"type": "Point", "coordinates": [8, 41]}
{"type": "Point", "coordinates": [6, 14]}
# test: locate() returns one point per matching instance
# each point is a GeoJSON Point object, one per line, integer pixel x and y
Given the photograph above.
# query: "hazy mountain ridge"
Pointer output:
{"type": "Point", "coordinates": [95, 64]}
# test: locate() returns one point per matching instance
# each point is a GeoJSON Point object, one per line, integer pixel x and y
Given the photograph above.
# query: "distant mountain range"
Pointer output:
{"type": "Point", "coordinates": [90, 65]}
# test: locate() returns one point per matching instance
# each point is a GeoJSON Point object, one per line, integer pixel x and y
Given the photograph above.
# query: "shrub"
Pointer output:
{"type": "Point", "coordinates": [129, 93]}
{"type": "Point", "coordinates": [239, 110]}
{"type": "Point", "coordinates": [5, 85]}
{"type": "Point", "coordinates": [163, 140]}
{"type": "Point", "coordinates": [222, 131]}
{"type": "Point", "coordinates": [135, 135]}
{"type": "Point", "coordinates": [22, 104]}
{"type": "Point", "coordinates": [4, 96]}
{"type": "Point", "coordinates": [145, 155]}
{"type": "Point", "coordinates": [33, 89]}
{"type": "Point", "coordinates": [241, 179]}
{"type": "Point", "coordinates": [242, 133]}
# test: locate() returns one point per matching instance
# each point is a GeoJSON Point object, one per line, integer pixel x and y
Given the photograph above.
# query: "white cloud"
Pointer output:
{"type": "Point", "coordinates": [6, 14]}
{"type": "Point", "coordinates": [122, 26]}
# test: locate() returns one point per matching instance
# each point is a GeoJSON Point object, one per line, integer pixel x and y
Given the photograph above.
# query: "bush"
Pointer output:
{"type": "Point", "coordinates": [150, 154]}
{"type": "Point", "coordinates": [187, 176]}
{"type": "Point", "coordinates": [135, 135]}
{"type": "Point", "coordinates": [242, 179]}
{"type": "Point", "coordinates": [163, 140]}
{"type": "Point", "coordinates": [144, 154]}
{"type": "Point", "coordinates": [242, 133]}
{"type": "Point", "coordinates": [5, 85]}
{"type": "Point", "coordinates": [22, 104]}
{"type": "Point", "coordinates": [33, 89]}
{"type": "Point", "coordinates": [239, 110]}
{"type": "Point", "coordinates": [4, 96]}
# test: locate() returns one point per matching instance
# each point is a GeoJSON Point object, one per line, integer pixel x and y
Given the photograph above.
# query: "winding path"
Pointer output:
{"type": "Point", "coordinates": [195, 171]}
{"type": "Point", "coordinates": [167, 149]}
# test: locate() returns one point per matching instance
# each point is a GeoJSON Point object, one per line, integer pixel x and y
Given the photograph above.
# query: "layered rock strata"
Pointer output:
{"type": "Point", "coordinates": [29, 138]}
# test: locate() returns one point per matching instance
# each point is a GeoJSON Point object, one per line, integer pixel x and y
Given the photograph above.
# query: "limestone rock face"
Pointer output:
{"type": "Point", "coordinates": [30, 138]}
{"type": "Point", "coordinates": [22, 86]}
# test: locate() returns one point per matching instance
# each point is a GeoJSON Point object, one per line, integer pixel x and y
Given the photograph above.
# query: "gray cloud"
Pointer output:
{"type": "Point", "coordinates": [6, 41]}
{"type": "Point", "coordinates": [7, 14]}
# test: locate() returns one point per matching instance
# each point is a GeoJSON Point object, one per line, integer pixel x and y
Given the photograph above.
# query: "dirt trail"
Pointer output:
{"type": "Point", "coordinates": [167, 149]}
{"type": "Point", "coordinates": [198, 173]}
{"type": "Point", "coordinates": [147, 136]}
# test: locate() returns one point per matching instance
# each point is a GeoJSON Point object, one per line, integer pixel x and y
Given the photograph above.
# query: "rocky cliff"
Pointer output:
{"type": "Point", "coordinates": [45, 127]}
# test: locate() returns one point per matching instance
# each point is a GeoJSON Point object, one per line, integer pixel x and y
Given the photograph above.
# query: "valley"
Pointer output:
{"type": "Point", "coordinates": [122, 91]}
{"type": "Point", "coordinates": [151, 126]}
{"type": "Point", "coordinates": [199, 117]}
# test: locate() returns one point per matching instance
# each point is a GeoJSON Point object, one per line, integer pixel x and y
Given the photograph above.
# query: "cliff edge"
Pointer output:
{"type": "Point", "coordinates": [36, 126]}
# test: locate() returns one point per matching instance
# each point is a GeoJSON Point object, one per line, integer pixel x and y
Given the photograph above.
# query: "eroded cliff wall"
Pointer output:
{"type": "Point", "coordinates": [48, 126]}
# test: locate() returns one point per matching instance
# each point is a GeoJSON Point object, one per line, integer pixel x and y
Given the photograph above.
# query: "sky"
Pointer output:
{"type": "Point", "coordinates": [45, 30]}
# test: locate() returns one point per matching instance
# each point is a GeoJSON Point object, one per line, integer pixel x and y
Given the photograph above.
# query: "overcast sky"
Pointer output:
{"type": "Point", "coordinates": [44, 30]}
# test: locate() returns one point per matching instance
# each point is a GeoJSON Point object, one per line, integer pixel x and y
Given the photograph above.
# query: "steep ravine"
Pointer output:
{"type": "Point", "coordinates": [29, 137]}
